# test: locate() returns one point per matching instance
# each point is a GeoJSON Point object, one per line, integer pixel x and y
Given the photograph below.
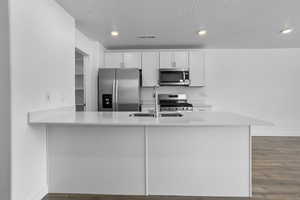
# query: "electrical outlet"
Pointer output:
{"type": "Point", "coordinates": [48, 97]}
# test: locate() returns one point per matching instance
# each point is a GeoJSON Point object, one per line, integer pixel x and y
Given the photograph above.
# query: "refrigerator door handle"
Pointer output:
{"type": "Point", "coordinates": [114, 97]}
{"type": "Point", "coordinates": [116, 93]}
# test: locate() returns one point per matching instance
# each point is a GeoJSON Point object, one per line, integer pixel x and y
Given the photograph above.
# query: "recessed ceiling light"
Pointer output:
{"type": "Point", "coordinates": [286, 31]}
{"type": "Point", "coordinates": [114, 33]}
{"type": "Point", "coordinates": [202, 32]}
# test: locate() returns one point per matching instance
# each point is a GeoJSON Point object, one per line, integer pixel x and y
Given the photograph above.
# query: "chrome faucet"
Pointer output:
{"type": "Point", "coordinates": [156, 106]}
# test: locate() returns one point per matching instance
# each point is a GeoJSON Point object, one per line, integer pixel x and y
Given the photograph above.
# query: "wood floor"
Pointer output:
{"type": "Point", "coordinates": [276, 174]}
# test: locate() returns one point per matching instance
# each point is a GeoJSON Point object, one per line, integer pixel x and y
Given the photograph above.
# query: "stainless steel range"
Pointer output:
{"type": "Point", "coordinates": [174, 102]}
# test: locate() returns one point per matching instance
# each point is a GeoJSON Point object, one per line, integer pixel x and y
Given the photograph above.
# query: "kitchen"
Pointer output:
{"type": "Point", "coordinates": [153, 69]}
{"type": "Point", "coordinates": [193, 112]}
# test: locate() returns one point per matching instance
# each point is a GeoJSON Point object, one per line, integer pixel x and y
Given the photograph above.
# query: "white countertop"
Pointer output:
{"type": "Point", "coordinates": [123, 119]}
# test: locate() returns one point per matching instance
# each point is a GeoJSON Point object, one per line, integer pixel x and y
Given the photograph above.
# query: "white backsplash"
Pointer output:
{"type": "Point", "coordinates": [196, 95]}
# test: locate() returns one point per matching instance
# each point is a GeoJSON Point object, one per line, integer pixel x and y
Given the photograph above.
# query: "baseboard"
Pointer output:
{"type": "Point", "coordinates": [276, 131]}
{"type": "Point", "coordinates": [135, 197]}
{"type": "Point", "coordinates": [39, 195]}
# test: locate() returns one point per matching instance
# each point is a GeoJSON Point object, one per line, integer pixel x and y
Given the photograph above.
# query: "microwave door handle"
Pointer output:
{"type": "Point", "coordinates": [184, 76]}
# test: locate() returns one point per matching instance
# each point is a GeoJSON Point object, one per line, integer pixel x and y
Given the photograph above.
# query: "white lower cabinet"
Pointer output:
{"type": "Point", "coordinates": [96, 160]}
{"type": "Point", "coordinates": [199, 161]}
{"type": "Point", "coordinates": [149, 160]}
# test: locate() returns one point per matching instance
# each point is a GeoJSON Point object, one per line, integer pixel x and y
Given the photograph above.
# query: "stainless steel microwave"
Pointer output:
{"type": "Point", "coordinates": [174, 77]}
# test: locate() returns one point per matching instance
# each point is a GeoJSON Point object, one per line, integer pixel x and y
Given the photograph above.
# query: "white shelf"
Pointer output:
{"type": "Point", "coordinates": [79, 83]}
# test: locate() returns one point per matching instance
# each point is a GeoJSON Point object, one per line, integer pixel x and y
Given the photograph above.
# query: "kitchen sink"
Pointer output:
{"type": "Point", "coordinates": [171, 114]}
{"type": "Point", "coordinates": [142, 115]}
{"type": "Point", "coordinates": [175, 114]}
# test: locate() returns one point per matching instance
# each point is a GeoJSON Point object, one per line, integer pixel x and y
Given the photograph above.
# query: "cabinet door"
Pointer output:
{"type": "Point", "coordinates": [197, 68]}
{"type": "Point", "coordinates": [166, 59]}
{"type": "Point", "coordinates": [113, 60]}
{"type": "Point", "coordinates": [182, 162]}
{"type": "Point", "coordinates": [132, 60]}
{"type": "Point", "coordinates": [181, 59]}
{"type": "Point", "coordinates": [150, 68]}
{"type": "Point", "coordinates": [100, 161]}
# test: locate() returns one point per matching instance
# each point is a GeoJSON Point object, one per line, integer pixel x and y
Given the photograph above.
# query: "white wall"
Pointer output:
{"type": "Point", "coordinates": [42, 77]}
{"type": "Point", "coordinates": [4, 103]}
{"type": "Point", "coordinates": [263, 83]}
{"type": "Point", "coordinates": [94, 51]}
{"type": "Point", "coordinates": [259, 83]}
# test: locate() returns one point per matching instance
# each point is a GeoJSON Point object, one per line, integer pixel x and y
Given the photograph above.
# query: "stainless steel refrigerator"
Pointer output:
{"type": "Point", "coordinates": [119, 90]}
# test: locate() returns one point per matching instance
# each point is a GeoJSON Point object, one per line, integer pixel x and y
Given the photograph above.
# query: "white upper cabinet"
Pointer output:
{"type": "Point", "coordinates": [166, 59]}
{"type": "Point", "coordinates": [178, 59]}
{"type": "Point", "coordinates": [151, 61]}
{"type": "Point", "coordinates": [150, 66]}
{"type": "Point", "coordinates": [197, 68]}
{"type": "Point", "coordinates": [122, 60]}
{"type": "Point", "coordinates": [113, 60]}
{"type": "Point", "coordinates": [181, 59]}
{"type": "Point", "coordinates": [132, 60]}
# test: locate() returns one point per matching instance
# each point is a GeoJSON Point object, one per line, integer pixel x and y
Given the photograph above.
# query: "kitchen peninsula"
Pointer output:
{"type": "Point", "coordinates": [198, 154]}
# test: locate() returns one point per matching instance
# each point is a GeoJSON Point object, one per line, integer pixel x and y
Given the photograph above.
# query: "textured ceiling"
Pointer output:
{"type": "Point", "coordinates": [230, 23]}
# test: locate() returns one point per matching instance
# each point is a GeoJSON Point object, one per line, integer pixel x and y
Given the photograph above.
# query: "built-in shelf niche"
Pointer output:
{"type": "Point", "coordinates": [79, 82]}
